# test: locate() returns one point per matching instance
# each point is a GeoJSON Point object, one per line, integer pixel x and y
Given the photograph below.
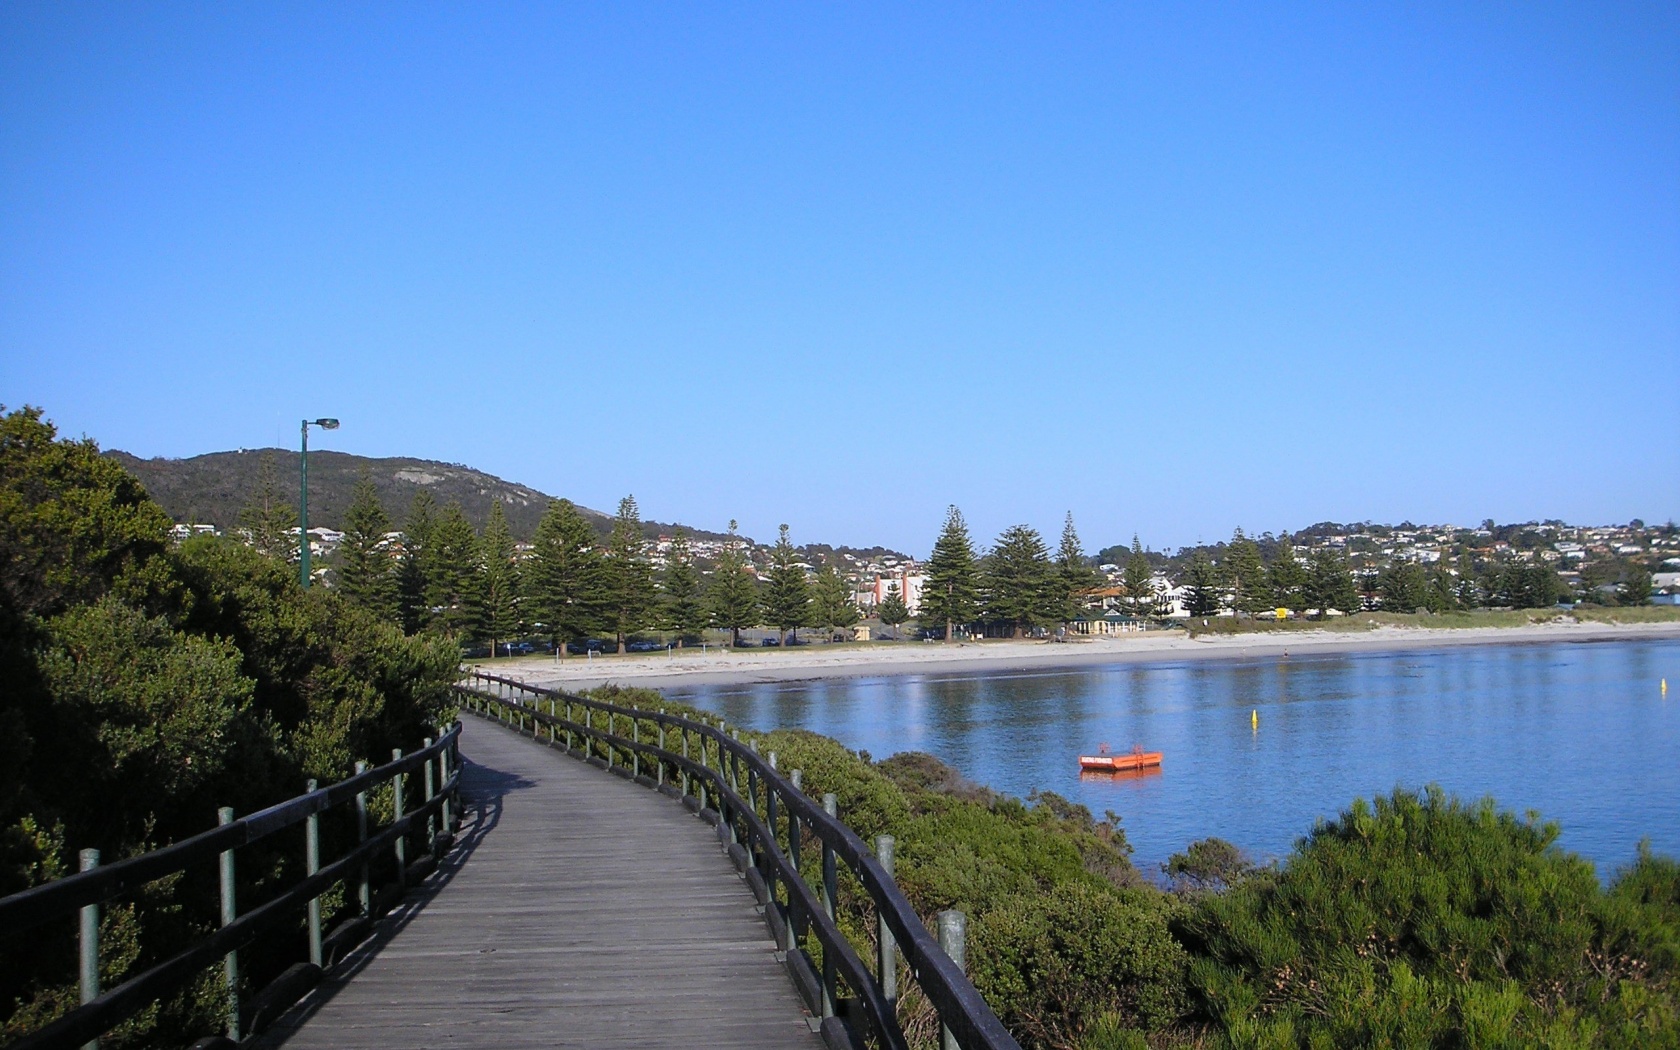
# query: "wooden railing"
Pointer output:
{"type": "Point", "coordinates": [764, 819]}
{"type": "Point", "coordinates": [438, 815]}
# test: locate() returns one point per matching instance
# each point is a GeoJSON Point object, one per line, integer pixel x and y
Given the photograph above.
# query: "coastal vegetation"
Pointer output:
{"type": "Point", "coordinates": [1414, 919]}
{"type": "Point", "coordinates": [146, 684]}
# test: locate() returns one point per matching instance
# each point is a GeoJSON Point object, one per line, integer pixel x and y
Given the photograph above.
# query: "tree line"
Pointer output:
{"type": "Point", "coordinates": [567, 587]}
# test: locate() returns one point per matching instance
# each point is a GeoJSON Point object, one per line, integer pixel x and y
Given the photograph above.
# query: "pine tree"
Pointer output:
{"type": "Point", "coordinates": [1201, 586]}
{"type": "Point", "coordinates": [1018, 581]}
{"type": "Point", "coordinates": [1074, 578]}
{"type": "Point", "coordinates": [498, 579]}
{"type": "Point", "coordinates": [1139, 580]}
{"type": "Point", "coordinates": [950, 597]}
{"type": "Point", "coordinates": [787, 598]}
{"type": "Point", "coordinates": [269, 519]}
{"type": "Point", "coordinates": [1286, 576]}
{"type": "Point", "coordinates": [1329, 584]}
{"type": "Point", "coordinates": [452, 577]}
{"type": "Point", "coordinates": [732, 595]}
{"type": "Point", "coordinates": [411, 572]}
{"type": "Point", "coordinates": [831, 600]}
{"type": "Point", "coordinates": [564, 585]}
{"type": "Point", "coordinates": [684, 612]}
{"type": "Point", "coordinates": [367, 574]}
{"type": "Point", "coordinates": [893, 611]}
{"type": "Point", "coordinates": [630, 594]}
{"type": "Point", "coordinates": [1245, 574]}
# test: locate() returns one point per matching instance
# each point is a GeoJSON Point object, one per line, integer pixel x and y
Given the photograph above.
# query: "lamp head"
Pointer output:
{"type": "Point", "coordinates": [327, 424]}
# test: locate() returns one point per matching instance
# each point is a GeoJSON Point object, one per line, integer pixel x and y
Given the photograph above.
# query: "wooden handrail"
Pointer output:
{"type": "Point", "coordinates": [961, 1009]}
{"type": "Point", "coordinates": [63, 897]}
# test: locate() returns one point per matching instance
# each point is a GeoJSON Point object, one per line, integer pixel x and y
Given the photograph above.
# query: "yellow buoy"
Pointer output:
{"type": "Point", "coordinates": [1254, 718]}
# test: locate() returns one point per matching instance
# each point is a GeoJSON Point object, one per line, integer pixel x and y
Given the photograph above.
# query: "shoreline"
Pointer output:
{"type": "Point", "coordinates": [719, 666]}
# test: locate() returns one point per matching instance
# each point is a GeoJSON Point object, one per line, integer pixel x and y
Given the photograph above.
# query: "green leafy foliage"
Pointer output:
{"type": "Point", "coordinates": [565, 582]}
{"type": "Point", "coordinates": [685, 614]}
{"type": "Point", "coordinates": [732, 594]}
{"type": "Point", "coordinates": [1018, 581]}
{"type": "Point", "coordinates": [787, 596]}
{"type": "Point", "coordinates": [1419, 921]}
{"type": "Point", "coordinates": [951, 595]}
{"type": "Point", "coordinates": [365, 571]}
{"type": "Point", "coordinates": [627, 575]}
{"type": "Point", "coordinates": [148, 685]}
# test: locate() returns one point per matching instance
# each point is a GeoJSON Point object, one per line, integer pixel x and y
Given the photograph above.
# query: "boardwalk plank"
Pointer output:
{"type": "Point", "coordinates": [580, 911]}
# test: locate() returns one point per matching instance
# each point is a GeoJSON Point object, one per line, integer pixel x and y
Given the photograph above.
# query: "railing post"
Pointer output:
{"type": "Point", "coordinates": [682, 731]}
{"type": "Point", "coordinates": [886, 969]}
{"type": "Point", "coordinates": [230, 912]}
{"type": "Point", "coordinates": [661, 757]}
{"type": "Point", "coordinates": [312, 864]}
{"type": "Point", "coordinates": [431, 818]}
{"type": "Point", "coordinates": [90, 944]}
{"type": "Point", "coordinates": [398, 783]}
{"type": "Point", "coordinates": [796, 835]}
{"type": "Point", "coordinates": [443, 785]}
{"type": "Point", "coordinates": [364, 890]}
{"type": "Point", "coordinates": [953, 937]}
{"type": "Point", "coordinates": [830, 881]}
{"type": "Point", "coordinates": [635, 752]}
{"type": "Point", "coordinates": [551, 732]}
{"type": "Point", "coordinates": [703, 765]}
{"type": "Point", "coordinates": [588, 732]}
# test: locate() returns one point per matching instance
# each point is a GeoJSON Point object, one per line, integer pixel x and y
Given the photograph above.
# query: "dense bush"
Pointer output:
{"type": "Point", "coordinates": [1414, 921]}
{"type": "Point", "coordinates": [145, 686]}
{"type": "Point", "coordinates": [1423, 921]}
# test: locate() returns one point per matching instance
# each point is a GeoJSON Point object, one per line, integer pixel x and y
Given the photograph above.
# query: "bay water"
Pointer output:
{"type": "Point", "coordinates": [1579, 732]}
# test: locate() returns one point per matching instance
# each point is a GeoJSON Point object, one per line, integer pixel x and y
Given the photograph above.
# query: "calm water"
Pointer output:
{"type": "Point", "coordinates": [1578, 732]}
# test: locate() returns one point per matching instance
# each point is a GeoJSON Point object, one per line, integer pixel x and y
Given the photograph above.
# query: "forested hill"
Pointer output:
{"type": "Point", "coordinates": [212, 488]}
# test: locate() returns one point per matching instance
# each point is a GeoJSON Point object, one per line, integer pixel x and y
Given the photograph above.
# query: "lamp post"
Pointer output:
{"type": "Point", "coordinates": [303, 497]}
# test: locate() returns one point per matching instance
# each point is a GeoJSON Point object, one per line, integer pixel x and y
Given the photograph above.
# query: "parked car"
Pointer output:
{"type": "Point", "coordinates": [645, 646]}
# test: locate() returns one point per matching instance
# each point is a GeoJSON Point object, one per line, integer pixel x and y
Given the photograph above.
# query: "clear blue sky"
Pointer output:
{"type": "Point", "coordinates": [1176, 269]}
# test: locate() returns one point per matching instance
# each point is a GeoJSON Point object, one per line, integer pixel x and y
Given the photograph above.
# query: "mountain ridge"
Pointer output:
{"type": "Point", "coordinates": [214, 487]}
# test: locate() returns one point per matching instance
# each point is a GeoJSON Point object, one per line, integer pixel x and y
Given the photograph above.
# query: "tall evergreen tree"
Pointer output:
{"type": "Point", "coordinates": [787, 597]}
{"type": "Point", "coordinates": [1019, 581]}
{"type": "Point", "coordinates": [1074, 577]}
{"type": "Point", "coordinates": [893, 611]}
{"type": "Point", "coordinates": [411, 570]}
{"type": "Point", "coordinates": [1139, 580]}
{"type": "Point", "coordinates": [269, 519]}
{"type": "Point", "coordinates": [564, 584]}
{"type": "Point", "coordinates": [452, 577]}
{"type": "Point", "coordinates": [1202, 595]}
{"type": "Point", "coordinates": [951, 594]}
{"type": "Point", "coordinates": [367, 574]}
{"type": "Point", "coordinates": [1245, 574]}
{"type": "Point", "coordinates": [498, 579]}
{"type": "Point", "coordinates": [1286, 576]}
{"type": "Point", "coordinates": [630, 594]}
{"type": "Point", "coordinates": [831, 600]}
{"type": "Point", "coordinates": [685, 614]}
{"type": "Point", "coordinates": [732, 595]}
{"type": "Point", "coordinates": [1329, 583]}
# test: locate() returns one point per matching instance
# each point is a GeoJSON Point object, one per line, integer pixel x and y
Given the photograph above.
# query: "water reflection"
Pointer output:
{"type": "Point", "coordinates": [1577, 731]}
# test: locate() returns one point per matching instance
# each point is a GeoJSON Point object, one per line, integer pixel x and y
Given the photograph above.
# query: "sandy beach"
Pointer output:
{"type": "Point", "coordinates": [719, 666]}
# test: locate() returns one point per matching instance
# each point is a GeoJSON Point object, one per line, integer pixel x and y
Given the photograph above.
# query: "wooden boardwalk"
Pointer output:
{"type": "Point", "coordinates": [578, 910]}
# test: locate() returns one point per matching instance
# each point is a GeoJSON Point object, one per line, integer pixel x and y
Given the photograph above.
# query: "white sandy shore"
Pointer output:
{"type": "Point", "coordinates": [716, 666]}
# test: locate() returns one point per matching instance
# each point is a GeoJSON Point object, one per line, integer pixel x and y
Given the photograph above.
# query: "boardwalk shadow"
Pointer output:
{"type": "Point", "coordinates": [483, 794]}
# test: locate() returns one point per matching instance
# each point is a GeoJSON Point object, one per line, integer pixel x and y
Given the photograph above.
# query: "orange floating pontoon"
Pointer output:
{"type": "Point", "coordinates": [1104, 761]}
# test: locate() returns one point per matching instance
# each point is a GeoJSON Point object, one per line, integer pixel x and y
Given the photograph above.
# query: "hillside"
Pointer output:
{"type": "Point", "coordinates": [213, 488]}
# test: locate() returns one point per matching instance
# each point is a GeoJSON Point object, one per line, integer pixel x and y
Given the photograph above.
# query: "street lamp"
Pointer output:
{"type": "Point", "coordinates": [303, 499]}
